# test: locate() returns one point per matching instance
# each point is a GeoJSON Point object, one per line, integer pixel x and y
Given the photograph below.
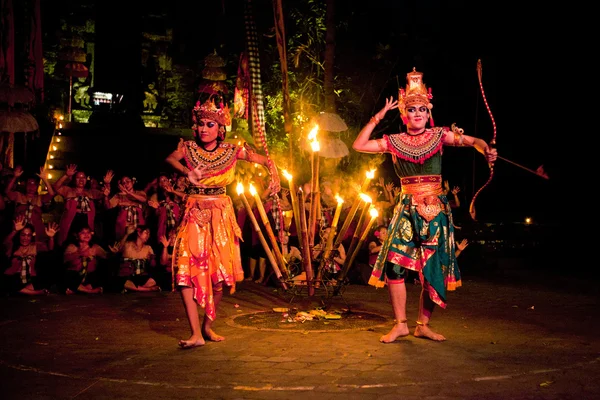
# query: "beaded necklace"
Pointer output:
{"type": "Point", "coordinates": [216, 160]}
{"type": "Point", "coordinates": [416, 148]}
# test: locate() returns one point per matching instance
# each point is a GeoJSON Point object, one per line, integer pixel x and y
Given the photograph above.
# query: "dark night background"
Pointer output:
{"type": "Point", "coordinates": [442, 39]}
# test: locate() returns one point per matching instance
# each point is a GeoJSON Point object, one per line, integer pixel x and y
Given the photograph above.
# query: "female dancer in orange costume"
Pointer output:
{"type": "Point", "coordinates": [206, 254]}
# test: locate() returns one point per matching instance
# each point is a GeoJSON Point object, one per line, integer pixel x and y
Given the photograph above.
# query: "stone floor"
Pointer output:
{"type": "Point", "coordinates": [509, 337]}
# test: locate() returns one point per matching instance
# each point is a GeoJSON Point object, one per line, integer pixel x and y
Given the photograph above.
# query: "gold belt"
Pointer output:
{"type": "Point", "coordinates": [425, 190]}
{"type": "Point", "coordinates": [206, 191]}
{"type": "Point", "coordinates": [422, 186]}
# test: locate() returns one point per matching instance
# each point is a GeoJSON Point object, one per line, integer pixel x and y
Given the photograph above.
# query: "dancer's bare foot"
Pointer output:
{"type": "Point", "coordinates": [423, 331]}
{"type": "Point", "coordinates": [69, 291]}
{"type": "Point", "coordinates": [398, 330]}
{"type": "Point", "coordinates": [192, 342]}
{"type": "Point", "coordinates": [209, 334]}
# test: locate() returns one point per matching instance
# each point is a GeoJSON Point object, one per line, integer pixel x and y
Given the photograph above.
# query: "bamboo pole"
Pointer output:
{"type": "Point", "coordinates": [261, 237]}
{"type": "Point", "coordinates": [355, 237]}
{"type": "Point", "coordinates": [370, 175]}
{"type": "Point", "coordinates": [267, 224]}
{"type": "Point", "coordinates": [306, 253]}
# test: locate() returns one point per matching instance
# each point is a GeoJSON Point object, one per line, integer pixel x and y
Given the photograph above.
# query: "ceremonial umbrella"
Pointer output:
{"type": "Point", "coordinates": [12, 122]}
{"type": "Point", "coordinates": [330, 146]}
{"type": "Point", "coordinates": [330, 122]}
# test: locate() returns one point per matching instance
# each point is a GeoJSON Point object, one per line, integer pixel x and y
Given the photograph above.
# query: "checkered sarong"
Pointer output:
{"type": "Point", "coordinates": [132, 215]}
{"type": "Point", "coordinates": [139, 265]}
{"type": "Point", "coordinates": [171, 220]}
{"type": "Point", "coordinates": [84, 264]}
{"type": "Point", "coordinates": [26, 268]}
{"type": "Point", "coordinates": [83, 204]}
{"type": "Point", "coordinates": [28, 213]}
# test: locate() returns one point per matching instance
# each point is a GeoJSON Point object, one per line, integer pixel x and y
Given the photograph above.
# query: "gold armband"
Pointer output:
{"type": "Point", "coordinates": [381, 145]}
{"type": "Point", "coordinates": [458, 135]}
{"type": "Point", "coordinates": [375, 119]}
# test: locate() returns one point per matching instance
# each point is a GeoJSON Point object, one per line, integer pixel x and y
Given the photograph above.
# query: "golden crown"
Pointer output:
{"type": "Point", "coordinates": [209, 110]}
{"type": "Point", "coordinates": [415, 93]}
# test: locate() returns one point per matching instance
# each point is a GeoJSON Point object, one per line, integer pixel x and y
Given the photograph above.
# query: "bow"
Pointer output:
{"type": "Point", "coordinates": [492, 142]}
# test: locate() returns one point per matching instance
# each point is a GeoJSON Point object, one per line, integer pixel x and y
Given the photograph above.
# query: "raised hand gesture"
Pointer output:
{"type": "Point", "coordinates": [71, 170]}
{"type": "Point", "coordinates": [108, 177]}
{"type": "Point", "coordinates": [18, 171]}
{"type": "Point", "coordinates": [115, 248]}
{"type": "Point", "coordinates": [19, 222]}
{"type": "Point", "coordinates": [389, 187]}
{"type": "Point", "coordinates": [43, 174]}
{"type": "Point", "coordinates": [123, 189]}
{"type": "Point", "coordinates": [164, 241]}
{"type": "Point", "coordinates": [51, 229]}
{"type": "Point", "coordinates": [130, 229]}
{"type": "Point", "coordinates": [390, 104]}
{"type": "Point", "coordinates": [462, 244]}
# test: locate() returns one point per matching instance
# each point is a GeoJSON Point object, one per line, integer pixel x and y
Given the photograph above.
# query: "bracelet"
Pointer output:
{"type": "Point", "coordinates": [375, 119]}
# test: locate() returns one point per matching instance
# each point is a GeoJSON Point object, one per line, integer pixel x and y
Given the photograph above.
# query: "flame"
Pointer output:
{"type": "Point", "coordinates": [315, 145]}
{"type": "Point", "coordinates": [365, 198]}
{"type": "Point", "coordinates": [313, 134]}
{"type": "Point", "coordinates": [371, 173]}
{"type": "Point", "coordinates": [252, 190]}
{"type": "Point", "coordinates": [240, 188]}
{"type": "Point", "coordinates": [287, 175]}
{"type": "Point", "coordinates": [373, 212]}
{"type": "Point", "coordinates": [339, 199]}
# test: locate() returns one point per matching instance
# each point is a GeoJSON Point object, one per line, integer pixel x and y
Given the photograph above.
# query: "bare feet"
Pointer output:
{"type": "Point", "coordinates": [69, 291]}
{"type": "Point", "coordinates": [398, 330]}
{"type": "Point", "coordinates": [192, 342]}
{"type": "Point", "coordinates": [209, 334]}
{"type": "Point", "coordinates": [423, 331]}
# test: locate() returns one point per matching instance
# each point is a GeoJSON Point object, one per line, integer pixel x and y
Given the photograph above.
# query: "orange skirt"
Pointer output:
{"type": "Point", "coordinates": [207, 248]}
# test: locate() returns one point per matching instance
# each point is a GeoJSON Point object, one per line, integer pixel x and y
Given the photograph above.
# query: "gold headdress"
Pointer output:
{"type": "Point", "coordinates": [209, 110]}
{"type": "Point", "coordinates": [415, 93]}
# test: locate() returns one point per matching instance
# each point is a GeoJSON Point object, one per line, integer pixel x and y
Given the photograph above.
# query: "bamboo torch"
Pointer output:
{"type": "Point", "coordinates": [315, 194]}
{"type": "Point", "coordinates": [370, 175]}
{"type": "Point", "coordinates": [261, 237]}
{"type": "Point", "coordinates": [270, 233]}
{"type": "Point", "coordinates": [295, 205]}
{"type": "Point", "coordinates": [329, 245]}
{"type": "Point", "coordinates": [374, 214]}
{"type": "Point", "coordinates": [367, 200]}
{"type": "Point", "coordinates": [349, 261]}
{"type": "Point", "coordinates": [306, 253]}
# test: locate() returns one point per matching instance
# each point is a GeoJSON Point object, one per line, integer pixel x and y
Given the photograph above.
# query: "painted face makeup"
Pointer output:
{"type": "Point", "coordinates": [415, 109]}
{"type": "Point", "coordinates": [209, 124]}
